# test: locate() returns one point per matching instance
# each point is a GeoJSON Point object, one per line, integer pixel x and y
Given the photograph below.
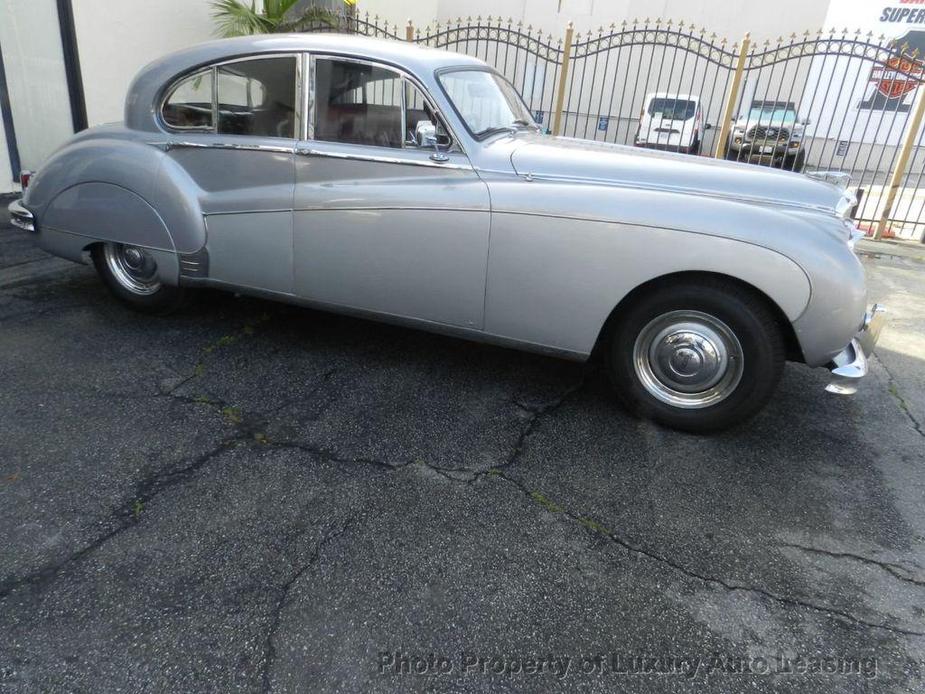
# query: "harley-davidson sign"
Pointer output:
{"type": "Point", "coordinates": [893, 82]}
{"type": "Point", "coordinates": [884, 84]}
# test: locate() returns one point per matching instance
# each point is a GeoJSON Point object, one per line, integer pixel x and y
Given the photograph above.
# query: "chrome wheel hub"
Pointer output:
{"type": "Point", "coordinates": [132, 267]}
{"type": "Point", "coordinates": [688, 359]}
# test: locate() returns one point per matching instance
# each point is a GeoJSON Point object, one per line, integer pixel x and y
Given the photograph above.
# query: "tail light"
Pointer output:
{"type": "Point", "coordinates": [25, 177]}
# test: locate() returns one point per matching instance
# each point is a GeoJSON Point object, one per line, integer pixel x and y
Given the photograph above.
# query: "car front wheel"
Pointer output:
{"type": "Point", "coordinates": [130, 272]}
{"type": "Point", "coordinates": [697, 356]}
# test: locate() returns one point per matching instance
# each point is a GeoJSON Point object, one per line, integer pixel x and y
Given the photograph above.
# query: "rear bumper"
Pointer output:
{"type": "Point", "coordinates": [850, 365]}
{"type": "Point", "coordinates": [20, 217]}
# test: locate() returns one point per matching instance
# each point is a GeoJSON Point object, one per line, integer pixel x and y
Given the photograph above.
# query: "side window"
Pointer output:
{"type": "Point", "coordinates": [357, 104]}
{"type": "Point", "coordinates": [257, 97]}
{"type": "Point", "coordinates": [189, 105]}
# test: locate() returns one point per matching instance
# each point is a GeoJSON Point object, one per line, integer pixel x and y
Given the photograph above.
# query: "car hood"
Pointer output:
{"type": "Point", "coordinates": [602, 163]}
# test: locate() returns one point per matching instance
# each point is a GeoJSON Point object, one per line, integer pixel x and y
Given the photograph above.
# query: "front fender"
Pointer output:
{"type": "Point", "coordinates": [564, 254]}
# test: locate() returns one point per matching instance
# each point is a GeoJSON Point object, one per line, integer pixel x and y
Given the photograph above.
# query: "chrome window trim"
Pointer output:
{"type": "Point", "coordinates": [298, 111]}
{"type": "Point", "coordinates": [309, 152]}
{"type": "Point", "coordinates": [306, 80]}
{"type": "Point", "coordinates": [213, 68]}
{"type": "Point", "coordinates": [279, 149]}
{"type": "Point", "coordinates": [456, 144]}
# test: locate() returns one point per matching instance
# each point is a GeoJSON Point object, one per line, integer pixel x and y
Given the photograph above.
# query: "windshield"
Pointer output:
{"type": "Point", "coordinates": [671, 109]}
{"type": "Point", "coordinates": [485, 101]}
{"type": "Point", "coordinates": [772, 113]}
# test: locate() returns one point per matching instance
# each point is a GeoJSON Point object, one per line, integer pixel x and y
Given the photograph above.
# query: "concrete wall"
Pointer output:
{"type": "Point", "coordinates": [34, 63]}
{"type": "Point", "coordinates": [117, 39]}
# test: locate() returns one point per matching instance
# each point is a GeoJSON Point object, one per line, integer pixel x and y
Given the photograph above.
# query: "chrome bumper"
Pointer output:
{"type": "Point", "coordinates": [21, 217]}
{"type": "Point", "coordinates": [850, 364]}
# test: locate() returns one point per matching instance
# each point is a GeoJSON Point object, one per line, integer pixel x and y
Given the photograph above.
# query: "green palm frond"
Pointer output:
{"type": "Point", "coordinates": [235, 18]}
{"type": "Point", "coordinates": [275, 10]}
{"type": "Point", "coordinates": [312, 17]}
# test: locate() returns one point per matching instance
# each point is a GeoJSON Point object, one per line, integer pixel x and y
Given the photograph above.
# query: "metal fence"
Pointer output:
{"type": "Point", "coordinates": [836, 101]}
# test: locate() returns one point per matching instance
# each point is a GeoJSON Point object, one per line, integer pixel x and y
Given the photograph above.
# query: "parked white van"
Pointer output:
{"type": "Point", "coordinates": [672, 122]}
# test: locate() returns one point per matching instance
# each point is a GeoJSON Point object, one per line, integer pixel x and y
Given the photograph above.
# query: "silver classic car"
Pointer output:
{"type": "Point", "coordinates": [412, 185]}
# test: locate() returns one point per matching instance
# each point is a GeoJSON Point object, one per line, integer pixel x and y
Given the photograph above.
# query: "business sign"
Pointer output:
{"type": "Point", "coordinates": [881, 92]}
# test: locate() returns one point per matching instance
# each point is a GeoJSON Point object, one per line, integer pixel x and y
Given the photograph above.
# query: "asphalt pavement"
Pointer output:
{"type": "Point", "coordinates": [248, 496]}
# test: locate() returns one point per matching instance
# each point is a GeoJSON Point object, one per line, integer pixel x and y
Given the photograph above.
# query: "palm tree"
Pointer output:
{"type": "Point", "coordinates": [238, 18]}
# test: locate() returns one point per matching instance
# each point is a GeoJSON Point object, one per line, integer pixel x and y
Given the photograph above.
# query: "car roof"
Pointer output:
{"type": "Point", "coordinates": [672, 95]}
{"type": "Point", "coordinates": [153, 78]}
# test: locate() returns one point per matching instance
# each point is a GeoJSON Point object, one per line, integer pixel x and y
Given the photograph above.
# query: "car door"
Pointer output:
{"type": "Point", "coordinates": [234, 129]}
{"type": "Point", "coordinates": [382, 224]}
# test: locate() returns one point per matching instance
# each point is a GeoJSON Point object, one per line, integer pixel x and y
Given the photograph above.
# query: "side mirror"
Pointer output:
{"type": "Point", "coordinates": [425, 135]}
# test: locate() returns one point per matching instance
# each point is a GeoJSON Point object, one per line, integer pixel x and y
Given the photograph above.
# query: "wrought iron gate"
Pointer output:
{"type": "Point", "coordinates": [832, 101]}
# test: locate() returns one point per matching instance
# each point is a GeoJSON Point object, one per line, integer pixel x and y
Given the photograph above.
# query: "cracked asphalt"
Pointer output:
{"type": "Point", "coordinates": [254, 497]}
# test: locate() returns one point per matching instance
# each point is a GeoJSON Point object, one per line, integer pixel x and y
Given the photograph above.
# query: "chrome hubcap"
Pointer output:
{"type": "Point", "coordinates": [133, 268]}
{"type": "Point", "coordinates": [688, 359]}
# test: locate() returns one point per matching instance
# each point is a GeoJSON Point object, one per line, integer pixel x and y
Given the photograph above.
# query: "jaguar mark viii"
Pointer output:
{"type": "Point", "coordinates": [412, 185]}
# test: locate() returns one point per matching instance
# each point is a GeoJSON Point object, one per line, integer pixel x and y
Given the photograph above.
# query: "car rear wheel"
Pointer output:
{"type": "Point", "coordinates": [697, 356]}
{"type": "Point", "coordinates": [130, 272]}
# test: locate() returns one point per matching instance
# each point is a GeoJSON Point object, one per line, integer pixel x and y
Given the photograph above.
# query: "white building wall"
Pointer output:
{"type": "Point", "coordinates": [115, 40]}
{"type": "Point", "coordinates": [6, 173]}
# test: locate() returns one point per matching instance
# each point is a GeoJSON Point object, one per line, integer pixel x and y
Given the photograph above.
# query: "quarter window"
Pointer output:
{"type": "Point", "coordinates": [189, 105]}
{"type": "Point", "coordinates": [257, 97]}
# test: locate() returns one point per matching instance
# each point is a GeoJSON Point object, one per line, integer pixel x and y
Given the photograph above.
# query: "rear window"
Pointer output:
{"type": "Point", "coordinates": [672, 109]}
{"type": "Point", "coordinates": [189, 106]}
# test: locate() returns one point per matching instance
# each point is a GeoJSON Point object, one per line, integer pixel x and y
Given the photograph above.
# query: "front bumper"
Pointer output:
{"type": "Point", "coordinates": [21, 217]}
{"type": "Point", "coordinates": [758, 150]}
{"type": "Point", "coordinates": [850, 365]}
